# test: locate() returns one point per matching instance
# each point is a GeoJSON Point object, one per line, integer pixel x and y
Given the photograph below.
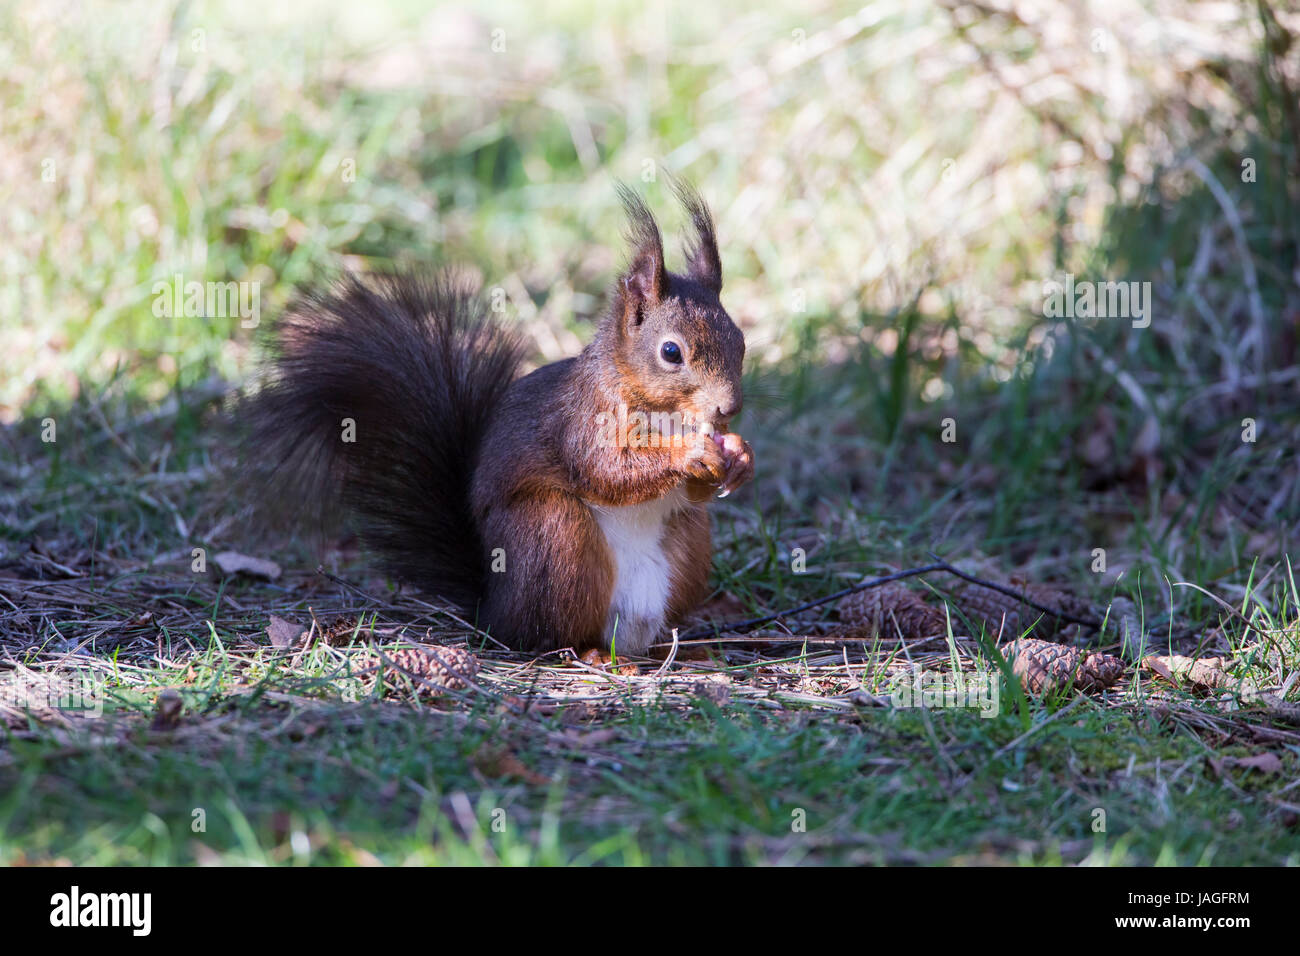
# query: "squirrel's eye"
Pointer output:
{"type": "Point", "coordinates": [671, 352]}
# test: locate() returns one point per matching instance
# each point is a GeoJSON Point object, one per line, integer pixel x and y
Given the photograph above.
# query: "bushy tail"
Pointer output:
{"type": "Point", "coordinates": [378, 393]}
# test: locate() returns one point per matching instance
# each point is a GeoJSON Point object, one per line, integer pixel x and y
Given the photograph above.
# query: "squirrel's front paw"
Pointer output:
{"type": "Point", "coordinates": [705, 462]}
{"type": "Point", "coordinates": [739, 458]}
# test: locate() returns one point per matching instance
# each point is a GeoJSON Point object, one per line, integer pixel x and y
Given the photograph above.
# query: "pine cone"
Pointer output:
{"type": "Point", "coordinates": [890, 610]}
{"type": "Point", "coordinates": [1002, 614]}
{"type": "Point", "coordinates": [1043, 666]}
{"type": "Point", "coordinates": [340, 630]}
{"type": "Point", "coordinates": [438, 668]}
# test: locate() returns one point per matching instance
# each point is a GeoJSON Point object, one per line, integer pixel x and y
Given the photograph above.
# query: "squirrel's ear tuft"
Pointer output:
{"type": "Point", "coordinates": [645, 282]}
{"type": "Point", "coordinates": [702, 260]}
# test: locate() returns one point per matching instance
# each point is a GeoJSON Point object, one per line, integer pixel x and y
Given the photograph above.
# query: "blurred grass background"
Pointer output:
{"type": "Point", "coordinates": [893, 185]}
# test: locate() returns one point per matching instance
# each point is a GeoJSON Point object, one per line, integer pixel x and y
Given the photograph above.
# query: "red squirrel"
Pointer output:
{"type": "Point", "coordinates": [563, 508]}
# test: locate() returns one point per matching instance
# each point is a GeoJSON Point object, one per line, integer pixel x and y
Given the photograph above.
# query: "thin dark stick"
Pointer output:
{"type": "Point", "coordinates": [742, 626]}
{"type": "Point", "coordinates": [877, 582]}
{"type": "Point", "coordinates": [756, 621]}
{"type": "Point", "coordinates": [1011, 592]}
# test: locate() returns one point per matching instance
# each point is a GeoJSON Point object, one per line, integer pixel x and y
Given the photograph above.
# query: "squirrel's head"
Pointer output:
{"type": "Point", "coordinates": [673, 343]}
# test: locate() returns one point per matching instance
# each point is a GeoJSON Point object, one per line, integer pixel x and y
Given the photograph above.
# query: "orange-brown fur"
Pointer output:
{"type": "Point", "coordinates": [504, 495]}
{"type": "Point", "coordinates": [542, 453]}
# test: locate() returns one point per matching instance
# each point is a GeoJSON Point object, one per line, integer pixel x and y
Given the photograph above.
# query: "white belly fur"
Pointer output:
{"type": "Point", "coordinates": [639, 601]}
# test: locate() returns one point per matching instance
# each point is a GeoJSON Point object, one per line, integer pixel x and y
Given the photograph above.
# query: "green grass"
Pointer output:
{"type": "Point", "coordinates": [297, 784]}
{"type": "Point", "coordinates": [889, 208]}
{"type": "Point", "coordinates": [293, 758]}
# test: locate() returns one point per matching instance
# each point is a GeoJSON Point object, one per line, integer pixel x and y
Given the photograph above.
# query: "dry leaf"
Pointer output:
{"type": "Point", "coordinates": [718, 694]}
{"type": "Point", "coordinates": [167, 710]}
{"type": "Point", "coordinates": [1203, 672]}
{"type": "Point", "coordinates": [284, 634]}
{"type": "Point", "coordinates": [498, 762]}
{"type": "Point", "coordinates": [1265, 762]}
{"type": "Point", "coordinates": [601, 660]}
{"type": "Point", "coordinates": [232, 562]}
{"type": "Point", "coordinates": [579, 711]}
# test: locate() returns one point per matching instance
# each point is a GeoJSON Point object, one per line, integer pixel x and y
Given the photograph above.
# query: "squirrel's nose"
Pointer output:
{"type": "Point", "coordinates": [731, 411]}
